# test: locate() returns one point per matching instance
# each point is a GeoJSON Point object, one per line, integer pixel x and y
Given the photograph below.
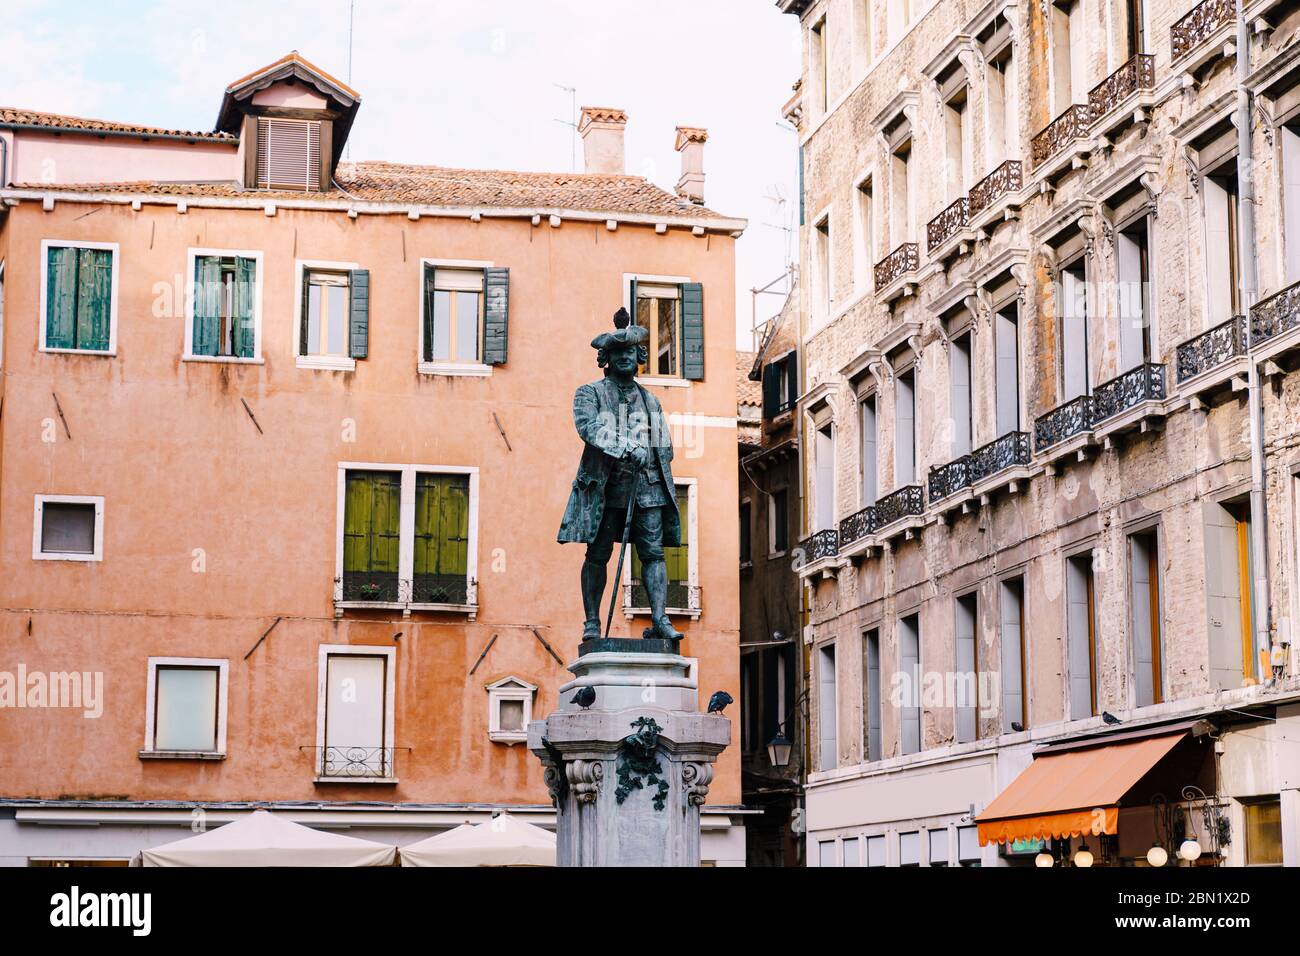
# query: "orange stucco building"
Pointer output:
{"type": "Point", "coordinates": [284, 445]}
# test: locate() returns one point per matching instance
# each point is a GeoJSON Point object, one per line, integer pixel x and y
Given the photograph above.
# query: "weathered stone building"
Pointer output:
{"type": "Point", "coordinates": [1049, 314]}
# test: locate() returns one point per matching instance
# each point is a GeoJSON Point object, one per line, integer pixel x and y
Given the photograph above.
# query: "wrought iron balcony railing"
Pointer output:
{"type": "Point", "coordinates": [1006, 178]}
{"type": "Point", "coordinates": [820, 544]}
{"type": "Point", "coordinates": [1278, 313]}
{"type": "Point", "coordinates": [947, 224]}
{"type": "Point", "coordinates": [1071, 125]}
{"type": "Point", "coordinates": [354, 762]}
{"type": "Point", "coordinates": [1139, 73]}
{"type": "Point", "coordinates": [1197, 26]}
{"type": "Point", "coordinates": [440, 589]}
{"type": "Point", "coordinates": [1008, 451]}
{"type": "Point", "coordinates": [904, 502]}
{"type": "Point", "coordinates": [1211, 349]}
{"type": "Point", "coordinates": [378, 586]}
{"type": "Point", "coordinates": [1144, 383]}
{"type": "Point", "coordinates": [948, 479]}
{"type": "Point", "coordinates": [1063, 422]}
{"type": "Point", "coordinates": [906, 258]}
{"type": "Point", "coordinates": [857, 525]}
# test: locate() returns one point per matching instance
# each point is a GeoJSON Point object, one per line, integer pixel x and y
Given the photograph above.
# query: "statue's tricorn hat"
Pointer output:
{"type": "Point", "coordinates": [624, 333]}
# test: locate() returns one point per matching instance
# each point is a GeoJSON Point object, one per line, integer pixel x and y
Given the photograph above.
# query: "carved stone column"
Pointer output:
{"type": "Point", "coordinates": [628, 775]}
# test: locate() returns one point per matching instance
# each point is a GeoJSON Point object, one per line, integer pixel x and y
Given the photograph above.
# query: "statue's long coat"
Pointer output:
{"type": "Point", "coordinates": [595, 407]}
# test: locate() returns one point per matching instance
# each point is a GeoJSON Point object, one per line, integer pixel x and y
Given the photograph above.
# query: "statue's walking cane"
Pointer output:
{"type": "Point", "coordinates": [622, 551]}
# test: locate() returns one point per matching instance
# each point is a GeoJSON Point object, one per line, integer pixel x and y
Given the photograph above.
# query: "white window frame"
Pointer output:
{"type": "Point", "coordinates": [115, 287]}
{"type": "Point", "coordinates": [337, 363]}
{"type": "Point", "coordinates": [191, 289]}
{"type": "Point", "coordinates": [406, 538]}
{"type": "Point", "coordinates": [690, 528]}
{"type": "Point", "coordinates": [772, 551]}
{"type": "Point", "coordinates": [667, 381]}
{"type": "Point", "coordinates": [325, 652]}
{"type": "Point", "coordinates": [38, 520]}
{"type": "Point", "coordinates": [222, 667]}
{"type": "Point", "coordinates": [509, 688]}
{"type": "Point", "coordinates": [443, 366]}
{"type": "Point", "coordinates": [864, 231]}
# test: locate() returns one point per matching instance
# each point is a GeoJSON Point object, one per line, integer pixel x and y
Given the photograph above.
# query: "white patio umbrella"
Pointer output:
{"type": "Point", "coordinates": [265, 839]}
{"type": "Point", "coordinates": [502, 841]}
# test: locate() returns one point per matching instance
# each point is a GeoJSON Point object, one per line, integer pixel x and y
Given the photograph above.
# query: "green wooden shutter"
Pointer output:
{"type": "Point", "coordinates": [496, 315]}
{"type": "Point", "coordinates": [428, 312]}
{"type": "Point", "coordinates": [678, 558]}
{"type": "Point", "coordinates": [208, 296]}
{"type": "Point", "coordinates": [441, 567]}
{"type": "Point", "coordinates": [631, 302]}
{"type": "Point", "coordinates": [359, 313]}
{"type": "Point", "coordinates": [61, 298]}
{"type": "Point", "coordinates": [771, 389]}
{"type": "Point", "coordinates": [692, 331]}
{"type": "Point", "coordinates": [304, 316]}
{"type": "Point", "coordinates": [245, 331]}
{"type": "Point", "coordinates": [792, 377]}
{"type": "Point", "coordinates": [94, 298]}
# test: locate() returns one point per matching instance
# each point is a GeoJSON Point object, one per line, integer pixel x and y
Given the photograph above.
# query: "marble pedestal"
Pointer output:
{"type": "Point", "coordinates": [628, 802]}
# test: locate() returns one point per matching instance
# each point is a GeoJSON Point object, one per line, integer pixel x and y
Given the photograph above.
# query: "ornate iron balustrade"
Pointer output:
{"type": "Point", "coordinates": [947, 480]}
{"type": "Point", "coordinates": [379, 586]}
{"type": "Point", "coordinates": [1063, 422]}
{"type": "Point", "coordinates": [820, 544]}
{"type": "Point", "coordinates": [355, 762]}
{"type": "Point", "coordinates": [1139, 73]}
{"type": "Point", "coordinates": [1075, 122]}
{"type": "Point", "coordinates": [1211, 349]}
{"type": "Point", "coordinates": [1143, 383]}
{"type": "Point", "coordinates": [857, 525]}
{"type": "Point", "coordinates": [1007, 178]}
{"type": "Point", "coordinates": [1275, 315]}
{"type": "Point", "coordinates": [1195, 28]}
{"type": "Point", "coordinates": [906, 258]}
{"type": "Point", "coordinates": [908, 501]}
{"type": "Point", "coordinates": [947, 224]}
{"type": "Point", "coordinates": [1010, 450]}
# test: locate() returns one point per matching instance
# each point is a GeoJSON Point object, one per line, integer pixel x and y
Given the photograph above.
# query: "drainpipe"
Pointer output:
{"type": "Point", "coordinates": [1250, 292]}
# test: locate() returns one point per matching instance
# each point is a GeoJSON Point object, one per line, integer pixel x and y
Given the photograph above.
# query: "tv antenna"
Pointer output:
{"type": "Point", "coordinates": [572, 123]}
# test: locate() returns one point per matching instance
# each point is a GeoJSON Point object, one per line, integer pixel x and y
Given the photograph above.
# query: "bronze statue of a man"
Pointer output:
{"type": "Point", "coordinates": [626, 461]}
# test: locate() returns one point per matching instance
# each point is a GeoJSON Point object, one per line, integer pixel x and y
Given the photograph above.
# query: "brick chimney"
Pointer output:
{"type": "Point", "coordinates": [601, 129]}
{"type": "Point", "coordinates": [690, 143]}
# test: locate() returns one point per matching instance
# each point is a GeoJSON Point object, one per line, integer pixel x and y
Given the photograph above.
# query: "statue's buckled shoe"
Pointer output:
{"type": "Point", "coordinates": [591, 630]}
{"type": "Point", "coordinates": [663, 629]}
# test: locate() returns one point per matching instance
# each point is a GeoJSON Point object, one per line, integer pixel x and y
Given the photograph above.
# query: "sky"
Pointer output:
{"type": "Point", "coordinates": [471, 83]}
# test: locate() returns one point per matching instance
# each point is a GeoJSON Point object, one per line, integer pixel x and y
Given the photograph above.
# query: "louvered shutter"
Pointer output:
{"type": "Point", "coordinates": [692, 331]}
{"type": "Point", "coordinates": [428, 312]}
{"type": "Point", "coordinates": [208, 296]}
{"type": "Point", "coordinates": [243, 321]}
{"type": "Point", "coordinates": [61, 298]}
{"type": "Point", "coordinates": [359, 313]}
{"type": "Point", "coordinates": [288, 153]}
{"type": "Point", "coordinates": [792, 379]}
{"type": "Point", "coordinates": [496, 315]}
{"type": "Point", "coordinates": [771, 389]}
{"type": "Point", "coordinates": [94, 298]}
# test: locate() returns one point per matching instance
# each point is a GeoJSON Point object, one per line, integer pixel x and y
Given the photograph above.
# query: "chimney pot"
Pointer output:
{"type": "Point", "coordinates": [601, 129]}
{"type": "Point", "coordinates": [690, 143]}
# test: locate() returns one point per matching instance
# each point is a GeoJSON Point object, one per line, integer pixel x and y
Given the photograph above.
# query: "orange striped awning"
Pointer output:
{"type": "Point", "coordinates": [1071, 793]}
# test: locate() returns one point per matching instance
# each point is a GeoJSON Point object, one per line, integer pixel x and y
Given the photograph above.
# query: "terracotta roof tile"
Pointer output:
{"type": "Point", "coordinates": [18, 117]}
{"type": "Point", "coordinates": [440, 186]}
{"type": "Point", "coordinates": [748, 392]}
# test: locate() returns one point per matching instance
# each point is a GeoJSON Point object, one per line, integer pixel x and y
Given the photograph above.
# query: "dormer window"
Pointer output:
{"type": "Point", "coordinates": [288, 153]}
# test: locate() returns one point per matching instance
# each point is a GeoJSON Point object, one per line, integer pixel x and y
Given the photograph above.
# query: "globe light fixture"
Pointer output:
{"type": "Point", "coordinates": [1190, 850]}
{"type": "Point", "coordinates": [1044, 859]}
{"type": "Point", "coordinates": [1157, 855]}
{"type": "Point", "coordinates": [1083, 857]}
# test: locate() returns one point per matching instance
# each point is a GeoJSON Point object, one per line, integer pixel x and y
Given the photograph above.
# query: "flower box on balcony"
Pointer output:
{"type": "Point", "coordinates": [995, 197]}
{"type": "Point", "coordinates": [1124, 98]}
{"type": "Point", "coordinates": [896, 274]}
{"type": "Point", "coordinates": [1063, 145]}
{"type": "Point", "coordinates": [1132, 399]}
{"type": "Point", "coordinates": [1214, 363]}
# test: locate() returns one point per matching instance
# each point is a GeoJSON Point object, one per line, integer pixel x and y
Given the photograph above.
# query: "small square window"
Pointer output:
{"type": "Point", "coordinates": [68, 528]}
{"type": "Point", "coordinates": [510, 708]}
{"type": "Point", "coordinates": [185, 712]}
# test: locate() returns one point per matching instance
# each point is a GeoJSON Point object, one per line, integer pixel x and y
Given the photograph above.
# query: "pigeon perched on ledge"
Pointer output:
{"type": "Point", "coordinates": [719, 701]}
{"type": "Point", "coordinates": [585, 697]}
{"type": "Point", "coordinates": [1110, 718]}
